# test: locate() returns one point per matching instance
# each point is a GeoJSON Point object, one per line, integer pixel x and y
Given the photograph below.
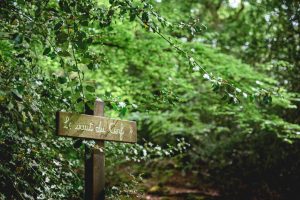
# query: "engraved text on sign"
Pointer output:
{"type": "Point", "coordinates": [96, 127]}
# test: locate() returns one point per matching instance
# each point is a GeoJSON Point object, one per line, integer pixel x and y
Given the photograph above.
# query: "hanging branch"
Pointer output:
{"type": "Point", "coordinates": [231, 93]}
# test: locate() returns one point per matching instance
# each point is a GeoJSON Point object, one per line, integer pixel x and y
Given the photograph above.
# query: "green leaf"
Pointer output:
{"type": "Point", "coordinates": [84, 22]}
{"type": "Point", "coordinates": [122, 112]}
{"type": "Point", "coordinates": [52, 55]}
{"type": "Point", "coordinates": [58, 25]}
{"type": "Point", "coordinates": [61, 37]}
{"type": "Point", "coordinates": [145, 17]}
{"type": "Point", "coordinates": [93, 66]}
{"type": "Point", "coordinates": [77, 143]}
{"type": "Point", "coordinates": [2, 95]}
{"type": "Point", "coordinates": [64, 53]}
{"type": "Point", "coordinates": [89, 40]}
{"type": "Point", "coordinates": [62, 79]}
{"type": "Point", "coordinates": [267, 99]}
{"type": "Point", "coordinates": [64, 6]}
{"type": "Point", "coordinates": [10, 106]}
{"type": "Point", "coordinates": [67, 93]}
{"type": "Point", "coordinates": [90, 97]}
{"type": "Point", "coordinates": [224, 98]}
{"type": "Point", "coordinates": [90, 88]}
{"type": "Point", "coordinates": [73, 68]}
{"type": "Point", "coordinates": [114, 106]}
{"type": "Point", "coordinates": [81, 44]}
{"type": "Point", "coordinates": [47, 50]}
{"type": "Point", "coordinates": [17, 94]}
{"type": "Point", "coordinates": [18, 39]}
{"type": "Point", "coordinates": [20, 88]}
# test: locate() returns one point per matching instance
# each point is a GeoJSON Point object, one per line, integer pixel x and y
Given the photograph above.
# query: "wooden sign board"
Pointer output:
{"type": "Point", "coordinates": [95, 127]}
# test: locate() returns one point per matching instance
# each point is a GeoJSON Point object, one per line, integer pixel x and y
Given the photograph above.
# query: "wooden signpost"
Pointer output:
{"type": "Point", "coordinates": [100, 129]}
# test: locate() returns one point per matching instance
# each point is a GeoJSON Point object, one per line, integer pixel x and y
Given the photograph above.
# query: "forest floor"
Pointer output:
{"type": "Point", "coordinates": [181, 193]}
{"type": "Point", "coordinates": [178, 187]}
{"type": "Point", "coordinates": [166, 183]}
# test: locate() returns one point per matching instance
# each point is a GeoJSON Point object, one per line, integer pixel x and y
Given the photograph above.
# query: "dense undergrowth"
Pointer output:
{"type": "Point", "coordinates": [233, 125]}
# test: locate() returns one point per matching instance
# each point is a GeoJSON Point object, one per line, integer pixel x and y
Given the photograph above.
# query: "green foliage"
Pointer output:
{"type": "Point", "coordinates": [262, 33]}
{"type": "Point", "coordinates": [232, 117]}
{"type": "Point", "coordinates": [34, 37]}
{"type": "Point", "coordinates": [33, 160]}
{"type": "Point", "coordinates": [240, 143]}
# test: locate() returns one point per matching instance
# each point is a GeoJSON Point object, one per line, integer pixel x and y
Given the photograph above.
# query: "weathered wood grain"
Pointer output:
{"type": "Point", "coordinates": [95, 164]}
{"type": "Point", "coordinates": [96, 127]}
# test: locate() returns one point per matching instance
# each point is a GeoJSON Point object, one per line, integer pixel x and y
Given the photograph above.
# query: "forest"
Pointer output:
{"type": "Point", "coordinates": [213, 87]}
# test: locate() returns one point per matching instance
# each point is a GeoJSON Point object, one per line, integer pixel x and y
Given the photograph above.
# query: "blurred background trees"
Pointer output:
{"type": "Point", "coordinates": [213, 86]}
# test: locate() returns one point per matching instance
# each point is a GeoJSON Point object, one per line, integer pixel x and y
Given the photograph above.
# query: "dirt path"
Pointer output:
{"type": "Point", "coordinates": [178, 193]}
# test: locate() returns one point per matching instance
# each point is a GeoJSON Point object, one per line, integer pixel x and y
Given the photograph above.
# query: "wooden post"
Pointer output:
{"type": "Point", "coordinates": [94, 164]}
{"type": "Point", "coordinates": [99, 128]}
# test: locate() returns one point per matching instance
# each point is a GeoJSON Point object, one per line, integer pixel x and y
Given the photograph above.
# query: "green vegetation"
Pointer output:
{"type": "Point", "coordinates": [213, 86]}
